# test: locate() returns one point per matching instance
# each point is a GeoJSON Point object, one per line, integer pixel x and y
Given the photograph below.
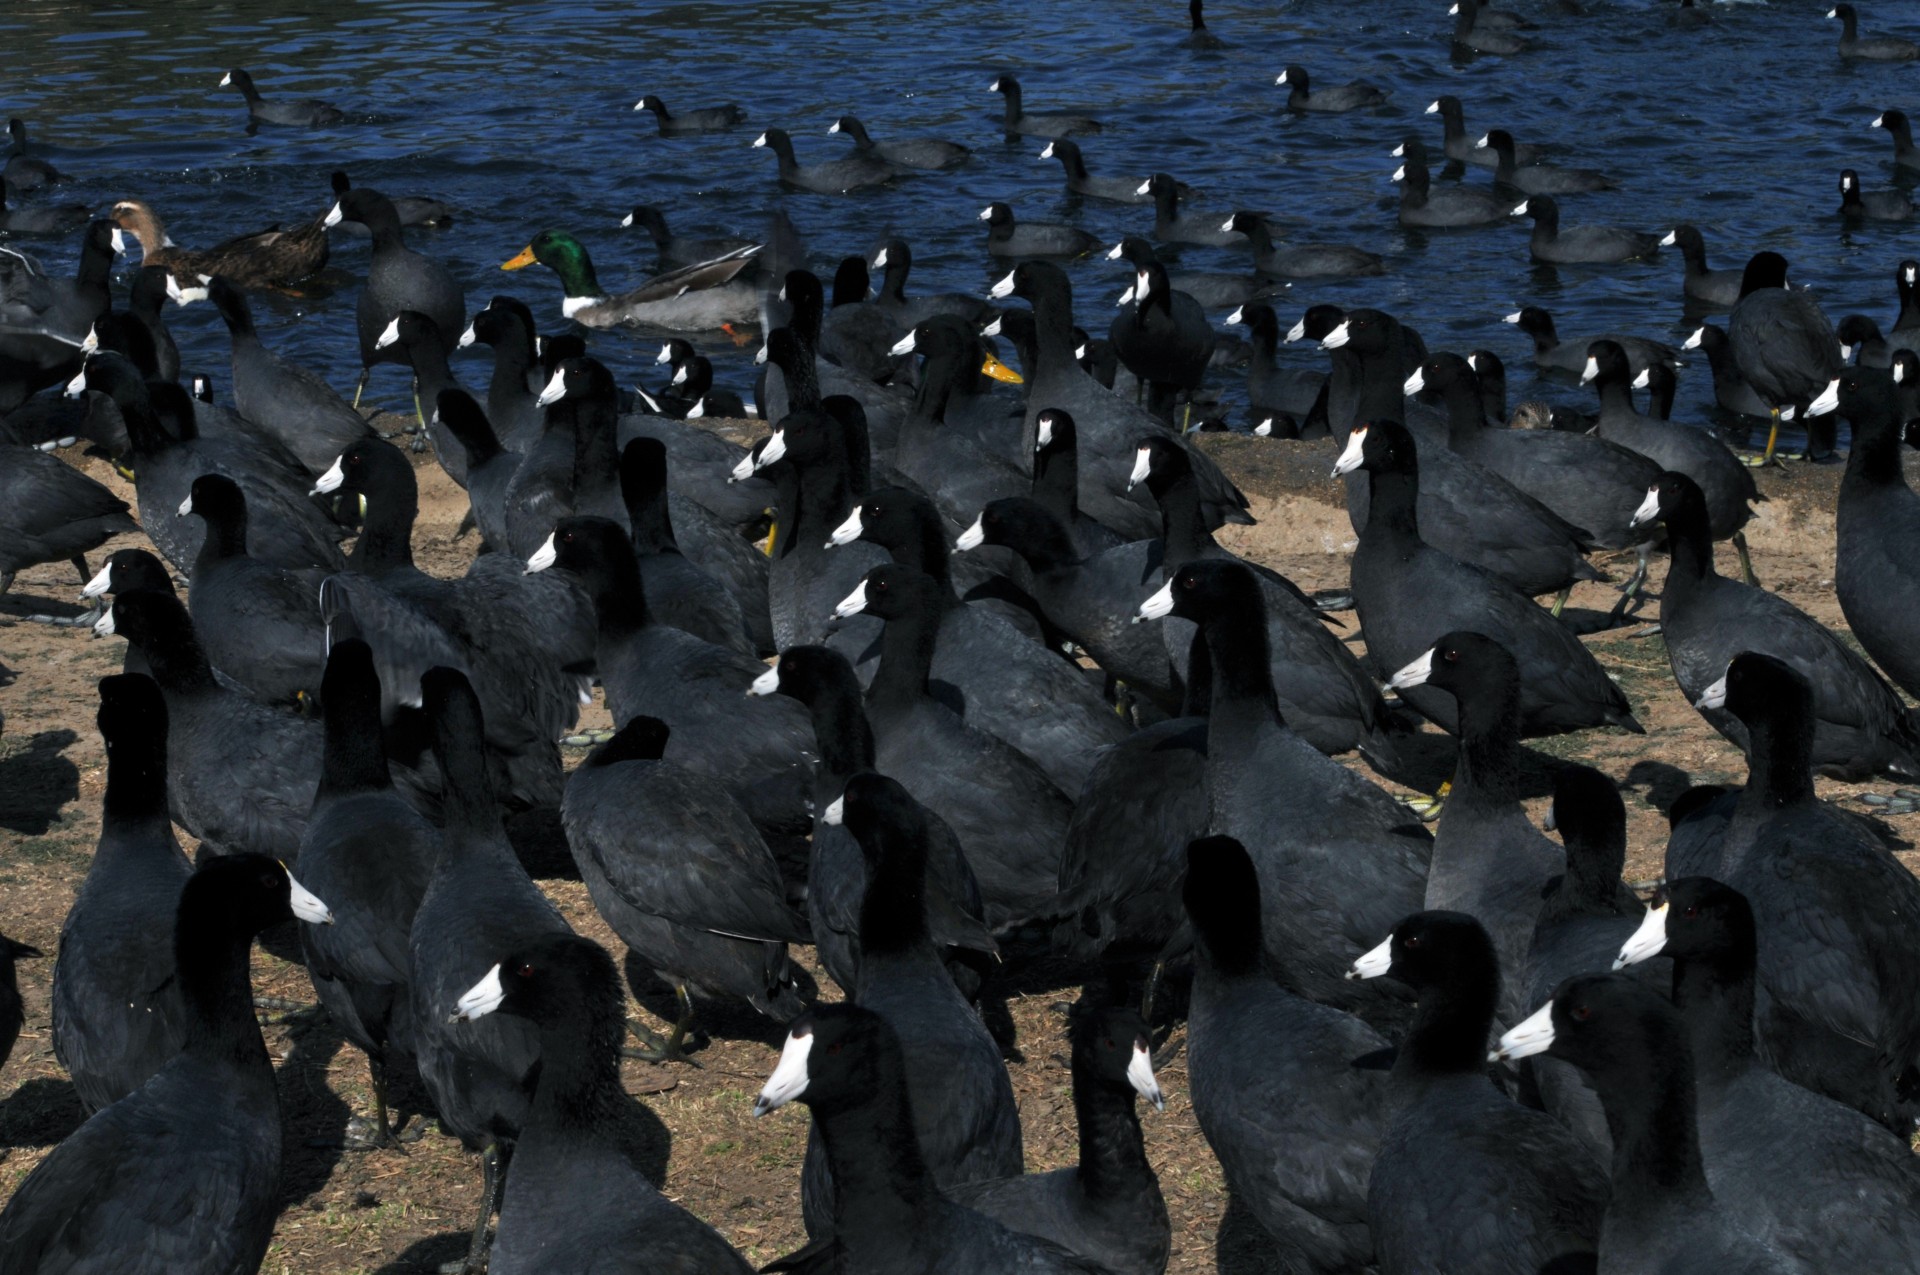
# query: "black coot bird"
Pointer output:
{"type": "Point", "coordinates": [1342, 97]}
{"type": "Point", "coordinates": [1660, 1214]}
{"type": "Point", "coordinates": [1108, 1206]}
{"type": "Point", "coordinates": [580, 1197]}
{"type": "Point", "coordinates": [1018, 121]}
{"type": "Point", "coordinates": [1863, 728]}
{"type": "Point", "coordinates": [1784, 346]}
{"type": "Point", "coordinates": [965, 1120]}
{"type": "Point", "coordinates": [889, 1216]}
{"type": "Point", "coordinates": [1835, 911]}
{"type": "Point", "coordinates": [1163, 337]}
{"type": "Point", "coordinates": [398, 278]}
{"type": "Point", "coordinates": [51, 512]}
{"type": "Point", "coordinates": [117, 1014]}
{"type": "Point", "coordinates": [1703, 286]}
{"type": "Point", "coordinates": [306, 112]}
{"type": "Point", "coordinates": [1876, 48]}
{"type": "Point", "coordinates": [1577, 244]}
{"type": "Point", "coordinates": [1878, 585]}
{"type": "Point", "coordinates": [1295, 1124]}
{"type": "Point", "coordinates": [1465, 1173]}
{"type": "Point", "coordinates": [682, 876]}
{"type": "Point", "coordinates": [1776, 1154]}
{"type": "Point", "coordinates": [1407, 593]}
{"type": "Point", "coordinates": [704, 119]}
{"type": "Point", "coordinates": [183, 1173]}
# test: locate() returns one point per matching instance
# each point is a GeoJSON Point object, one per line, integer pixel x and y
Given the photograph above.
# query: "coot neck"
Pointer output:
{"type": "Point", "coordinates": [879, 1177]}
{"type": "Point", "coordinates": [1113, 1159]}
{"type": "Point", "coordinates": [1182, 524]}
{"type": "Point", "coordinates": [212, 972]}
{"type": "Point", "coordinates": [1166, 209]}
{"type": "Point", "coordinates": [1056, 481]}
{"type": "Point", "coordinates": [801, 375]}
{"type": "Point", "coordinates": [649, 518]}
{"type": "Point", "coordinates": [924, 548]}
{"type": "Point", "coordinates": [1236, 638]}
{"type": "Point", "coordinates": [1656, 1134]}
{"type": "Point", "coordinates": [578, 1091]}
{"type": "Point", "coordinates": [137, 786]}
{"type": "Point", "coordinates": [383, 223]}
{"type": "Point", "coordinates": [825, 498]}
{"type": "Point", "coordinates": [841, 729]}
{"type": "Point", "coordinates": [178, 661]}
{"type": "Point", "coordinates": [512, 360]}
{"type": "Point", "coordinates": [1715, 996]}
{"type": "Point", "coordinates": [893, 915]}
{"type": "Point", "coordinates": [906, 657]}
{"type": "Point", "coordinates": [226, 537]}
{"type": "Point", "coordinates": [352, 758]}
{"type": "Point", "coordinates": [1616, 398]}
{"type": "Point", "coordinates": [472, 818]}
{"type": "Point", "coordinates": [1689, 551]}
{"type": "Point", "coordinates": [1592, 884]}
{"type": "Point", "coordinates": [1392, 497]}
{"type": "Point", "coordinates": [1047, 546]}
{"type": "Point", "coordinates": [1779, 760]}
{"type": "Point", "coordinates": [429, 359]}
{"type": "Point", "coordinates": [1488, 771]}
{"type": "Point", "coordinates": [619, 601]}
{"type": "Point", "coordinates": [1874, 461]}
{"type": "Point", "coordinates": [386, 532]}
{"type": "Point", "coordinates": [596, 448]}
{"type": "Point", "coordinates": [1466, 410]}
{"type": "Point", "coordinates": [1053, 335]}
{"type": "Point", "coordinates": [1451, 1022]}
{"type": "Point", "coordinates": [893, 283]}
{"type": "Point", "coordinates": [1263, 334]}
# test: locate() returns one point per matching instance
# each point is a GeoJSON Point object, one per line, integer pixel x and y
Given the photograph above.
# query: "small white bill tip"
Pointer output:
{"type": "Point", "coordinates": [1376, 961]}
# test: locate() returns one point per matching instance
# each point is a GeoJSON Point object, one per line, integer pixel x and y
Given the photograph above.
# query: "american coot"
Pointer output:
{"type": "Point", "coordinates": [1008, 238]}
{"type": "Point", "coordinates": [1271, 388]}
{"type": "Point", "coordinates": [999, 674]}
{"type": "Point", "coordinates": [1407, 593]}
{"type": "Point", "coordinates": [261, 259]}
{"type": "Point", "coordinates": [964, 1116]}
{"type": "Point", "coordinates": [916, 152]}
{"type": "Point", "coordinates": [1465, 1172]}
{"type": "Point", "coordinates": [185, 1170]}
{"type": "Point", "coordinates": [516, 634]}
{"type": "Point", "coordinates": [835, 177]}
{"type": "Point", "coordinates": [580, 1195]}
{"type": "Point", "coordinates": [1709, 288]}
{"type": "Point", "coordinates": [12, 1012]}
{"type": "Point", "coordinates": [1344, 97]}
{"type": "Point", "coordinates": [1584, 918]}
{"type": "Point", "coordinates": [426, 348]}
{"type": "Point", "coordinates": [1862, 342]}
{"type": "Point", "coordinates": [398, 278]}
{"type": "Point", "coordinates": [1878, 585]}
{"type": "Point", "coordinates": [1295, 1124]}
{"type": "Point", "coordinates": [1598, 244]}
{"type": "Point", "coordinates": [1555, 355]}
{"type": "Point", "coordinates": [413, 210]}
{"type": "Point", "coordinates": [1834, 909]}
{"type": "Point", "coordinates": [1421, 205]}
{"type": "Point", "coordinates": [837, 874]}
{"type": "Point", "coordinates": [1010, 818]}
{"type": "Point", "coordinates": [54, 220]}
{"type": "Point", "coordinates": [1163, 337]}
{"type": "Point", "coordinates": [1731, 393]}
{"type": "Point", "coordinates": [1462, 146]}
{"type": "Point", "coordinates": [51, 512]}
{"type": "Point", "coordinates": [1660, 1214]}
{"type": "Point", "coordinates": [489, 466]}
{"type": "Point", "coordinates": [47, 317]}
{"type": "Point", "coordinates": [696, 298]}
{"type": "Point", "coordinates": [1726, 485]}
{"type": "Point", "coordinates": [1884, 48]}
{"type": "Point", "coordinates": [1905, 153]}
{"type": "Point", "coordinates": [1300, 261]}
{"type": "Point", "coordinates": [959, 467]}
{"type": "Point", "coordinates": [681, 592]}
{"type": "Point", "coordinates": [118, 1017]}
{"type": "Point", "coordinates": [1871, 205]}
{"type": "Point", "coordinates": [844, 1062]}
{"type": "Point", "coordinates": [240, 776]}
{"type": "Point", "coordinates": [25, 170]}
{"type": "Point", "coordinates": [895, 260]}
{"type": "Point", "coordinates": [1474, 37]}
{"type": "Point", "coordinates": [1080, 181]}
{"type": "Point", "coordinates": [1774, 1152]}
{"type": "Point", "coordinates": [1107, 1207]}
{"type": "Point", "coordinates": [479, 904]}
{"type": "Point", "coordinates": [1329, 843]}
{"type": "Point", "coordinates": [285, 401]}
{"type": "Point", "coordinates": [1782, 344]}
{"type": "Point", "coordinates": [1863, 728]}
{"type": "Point", "coordinates": [1109, 428]}
{"type": "Point", "coordinates": [1488, 859]}
{"type": "Point", "coordinates": [682, 876]}
{"type": "Point", "coordinates": [260, 623]}
{"type": "Point", "coordinates": [754, 749]}
{"type": "Point", "coordinates": [303, 113]}
{"type": "Point", "coordinates": [374, 854]}
{"type": "Point", "coordinates": [679, 250]}
{"type": "Point", "coordinates": [1171, 226]}
{"type": "Point", "coordinates": [1538, 179]}
{"type": "Point", "coordinates": [705, 119]}
{"type": "Point", "coordinates": [1017, 121]}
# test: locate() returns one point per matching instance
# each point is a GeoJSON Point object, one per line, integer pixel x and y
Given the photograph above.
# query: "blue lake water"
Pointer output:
{"type": "Point", "coordinates": [519, 115]}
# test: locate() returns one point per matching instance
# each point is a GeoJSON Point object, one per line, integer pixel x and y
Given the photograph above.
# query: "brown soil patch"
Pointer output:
{"type": "Point", "coordinates": [390, 1212]}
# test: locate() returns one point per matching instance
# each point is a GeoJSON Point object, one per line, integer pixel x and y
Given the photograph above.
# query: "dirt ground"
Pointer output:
{"type": "Point", "coordinates": [393, 1212]}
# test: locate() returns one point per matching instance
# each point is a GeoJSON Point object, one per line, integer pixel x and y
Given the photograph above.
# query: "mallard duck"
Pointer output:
{"type": "Point", "coordinates": [258, 259]}
{"type": "Point", "coordinates": [695, 298]}
{"type": "Point", "coordinates": [261, 111]}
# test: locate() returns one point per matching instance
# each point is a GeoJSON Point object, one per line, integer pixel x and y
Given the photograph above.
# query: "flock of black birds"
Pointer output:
{"type": "Point", "coordinates": [941, 675]}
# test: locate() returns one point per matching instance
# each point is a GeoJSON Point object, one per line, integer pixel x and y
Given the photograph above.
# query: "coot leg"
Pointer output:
{"type": "Point", "coordinates": [672, 1049]}
{"type": "Point", "coordinates": [1746, 563]}
{"type": "Point", "coordinates": [493, 1169]}
{"type": "Point", "coordinates": [361, 388]}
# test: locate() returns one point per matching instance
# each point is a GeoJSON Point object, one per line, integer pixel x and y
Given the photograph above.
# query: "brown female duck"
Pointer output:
{"type": "Point", "coordinates": [262, 258]}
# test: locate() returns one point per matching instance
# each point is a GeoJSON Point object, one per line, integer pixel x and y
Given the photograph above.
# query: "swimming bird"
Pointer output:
{"type": "Point", "coordinates": [705, 119]}
{"type": "Point", "coordinates": [307, 112]}
{"type": "Point", "coordinates": [258, 259]}
{"type": "Point", "coordinates": [1018, 121]}
{"type": "Point", "coordinates": [694, 298]}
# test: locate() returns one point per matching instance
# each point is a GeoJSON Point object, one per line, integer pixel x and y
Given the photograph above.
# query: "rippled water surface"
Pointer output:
{"type": "Point", "coordinates": [519, 115]}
